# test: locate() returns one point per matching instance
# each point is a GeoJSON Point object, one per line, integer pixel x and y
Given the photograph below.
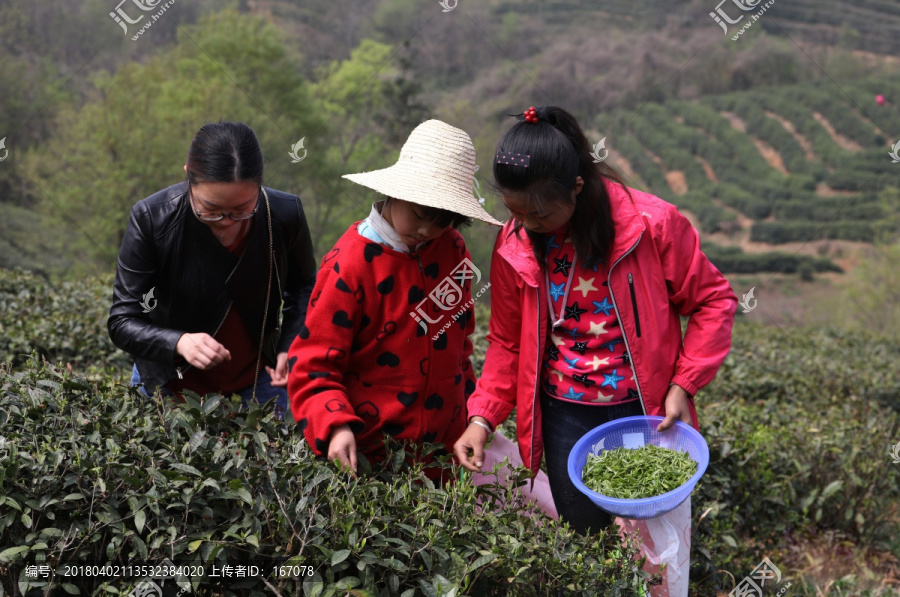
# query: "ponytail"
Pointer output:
{"type": "Point", "coordinates": [560, 152]}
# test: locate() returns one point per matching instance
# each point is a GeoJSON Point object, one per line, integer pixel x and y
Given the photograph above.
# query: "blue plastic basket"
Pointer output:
{"type": "Point", "coordinates": [634, 432]}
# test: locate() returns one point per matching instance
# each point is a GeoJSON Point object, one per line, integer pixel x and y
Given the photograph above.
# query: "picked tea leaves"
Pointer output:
{"type": "Point", "coordinates": [637, 473]}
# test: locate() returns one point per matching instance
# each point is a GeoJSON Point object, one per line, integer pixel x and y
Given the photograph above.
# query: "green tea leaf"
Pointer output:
{"type": "Point", "coordinates": [7, 554]}
{"type": "Point", "coordinates": [639, 473]}
{"type": "Point", "coordinates": [339, 556]}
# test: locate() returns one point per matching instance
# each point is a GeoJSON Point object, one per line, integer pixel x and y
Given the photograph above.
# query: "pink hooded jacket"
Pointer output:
{"type": "Point", "coordinates": [657, 275]}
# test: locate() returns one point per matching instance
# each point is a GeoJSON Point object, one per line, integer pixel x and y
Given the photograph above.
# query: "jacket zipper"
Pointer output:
{"type": "Point", "coordinates": [537, 378]}
{"type": "Point", "coordinates": [178, 370]}
{"type": "Point", "coordinates": [637, 320]}
{"type": "Point", "coordinates": [619, 316]}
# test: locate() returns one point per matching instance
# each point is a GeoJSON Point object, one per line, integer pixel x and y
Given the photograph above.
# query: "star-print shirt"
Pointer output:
{"type": "Point", "coordinates": [385, 347]}
{"type": "Point", "coordinates": [586, 358]}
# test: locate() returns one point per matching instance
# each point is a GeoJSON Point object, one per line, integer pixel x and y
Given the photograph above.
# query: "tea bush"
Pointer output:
{"type": "Point", "coordinates": [91, 473]}
{"type": "Point", "coordinates": [799, 424]}
{"type": "Point", "coordinates": [733, 260]}
{"type": "Point", "coordinates": [61, 321]}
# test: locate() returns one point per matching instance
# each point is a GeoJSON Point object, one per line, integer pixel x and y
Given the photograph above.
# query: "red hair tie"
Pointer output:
{"type": "Point", "coordinates": [530, 115]}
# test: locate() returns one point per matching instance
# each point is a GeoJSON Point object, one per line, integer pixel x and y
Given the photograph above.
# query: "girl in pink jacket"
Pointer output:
{"type": "Point", "coordinates": [589, 281]}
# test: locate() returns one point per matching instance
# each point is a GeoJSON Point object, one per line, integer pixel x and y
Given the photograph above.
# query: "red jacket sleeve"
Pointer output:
{"type": "Point", "coordinates": [495, 393]}
{"type": "Point", "coordinates": [699, 291]}
{"type": "Point", "coordinates": [318, 358]}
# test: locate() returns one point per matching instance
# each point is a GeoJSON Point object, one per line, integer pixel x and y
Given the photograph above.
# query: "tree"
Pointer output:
{"type": "Point", "coordinates": [371, 106]}
{"type": "Point", "coordinates": [131, 137]}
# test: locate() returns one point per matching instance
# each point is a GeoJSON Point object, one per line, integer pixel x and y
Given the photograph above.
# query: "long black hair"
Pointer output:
{"type": "Point", "coordinates": [225, 152]}
{"type": "Point", "coordinates": [560, 152]}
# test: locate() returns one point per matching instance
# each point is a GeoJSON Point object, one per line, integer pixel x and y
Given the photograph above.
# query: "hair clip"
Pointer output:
{"type": "Point", "coordinates": [529, 115]}
{"type": "Point", "coordinates": [513, 159]}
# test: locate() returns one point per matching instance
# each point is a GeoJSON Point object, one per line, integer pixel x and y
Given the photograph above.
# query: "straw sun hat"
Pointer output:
{"type": "Point", "coordinates": [436, 168]}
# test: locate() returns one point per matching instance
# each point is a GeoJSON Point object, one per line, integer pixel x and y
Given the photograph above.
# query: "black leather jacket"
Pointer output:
{"type": "Point", "coordinates": [194, 280]}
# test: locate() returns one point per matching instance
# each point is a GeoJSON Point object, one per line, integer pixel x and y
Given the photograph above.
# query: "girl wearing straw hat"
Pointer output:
{"type": "Point", "coordinates": [589, 281]}
{"type": "Point", "coordinates": [385, 347]}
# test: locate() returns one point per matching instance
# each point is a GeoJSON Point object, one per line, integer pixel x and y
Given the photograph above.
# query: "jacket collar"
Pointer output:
{"type": "Point", "coordinates": [627, 222]}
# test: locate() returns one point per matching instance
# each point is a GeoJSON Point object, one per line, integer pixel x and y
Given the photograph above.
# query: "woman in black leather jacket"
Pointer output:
{"type": "Point", "coordinates": [202, 273]}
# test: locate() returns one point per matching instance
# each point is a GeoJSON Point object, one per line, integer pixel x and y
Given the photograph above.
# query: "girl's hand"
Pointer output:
{"type": "Point", "coordinates": [279, 374]}
{"type": "Point", "coordinates": [677, 408]}
{"type": "Point", "coordinates": [343, 446]}
{"type": "Point", "coordinates": [202, 350]}
{"type": "Point", "coordinates": [469, 448]}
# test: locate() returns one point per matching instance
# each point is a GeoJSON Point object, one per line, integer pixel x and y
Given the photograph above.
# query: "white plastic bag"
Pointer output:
{"type": "Point", "coordinates": [502, 449]}
{"type": "Point", "coordinates": [665, 539]}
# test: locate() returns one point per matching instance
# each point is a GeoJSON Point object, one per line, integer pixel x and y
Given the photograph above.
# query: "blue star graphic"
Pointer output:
{"type": "Point", "coordinates": [612, 380]}
{"type": "Point", "coordinates": [605, 306]}
{"type": "Point", "coordinates": [551, 244]}
{"type": "Point", "coordinates": [572, 394]}
{"type": "Point", "coordinates": [611, 344]}
{"type": "Point", "coordinates": [557, 290]}
{"type": "Point", "coordinates": [572, 363]}
{"type": "Point", "coordinates": [573, 332]}
{"type": "Point", "coordinates": [594, 267]}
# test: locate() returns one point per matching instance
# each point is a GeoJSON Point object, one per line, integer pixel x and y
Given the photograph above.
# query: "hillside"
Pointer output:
{"type": "Point", "coordinates": [761, 168]}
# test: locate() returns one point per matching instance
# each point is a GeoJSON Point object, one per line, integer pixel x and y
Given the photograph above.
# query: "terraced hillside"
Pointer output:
{"type": "Point", "coordinates": [769, 167]}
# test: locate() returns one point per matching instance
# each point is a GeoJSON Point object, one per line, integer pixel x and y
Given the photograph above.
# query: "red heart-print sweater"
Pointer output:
{"type": "Point", "coordinates": [385, 347]}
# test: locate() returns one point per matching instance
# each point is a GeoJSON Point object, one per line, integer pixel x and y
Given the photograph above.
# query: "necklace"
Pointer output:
{"type": "Point", "coordinates": [558, 321]}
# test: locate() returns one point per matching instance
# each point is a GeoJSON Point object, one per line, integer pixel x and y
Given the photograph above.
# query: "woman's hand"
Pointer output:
{"type": "Point", "coordinates": [202, 350]}
{"type": "Point", "coordinates": [469, 448]}
{"type": "Point", "coordinates": [279, 374]}
{"type": "Point", "coordinates": [342, 446]}
{"type": "Point", "coordinates": [677, 408]}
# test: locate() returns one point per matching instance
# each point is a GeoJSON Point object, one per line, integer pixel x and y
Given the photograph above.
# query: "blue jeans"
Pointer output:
{"type": "Point", "coordinates": [563, 424]}
{"type": "Point", "coordinates": [265, 391]}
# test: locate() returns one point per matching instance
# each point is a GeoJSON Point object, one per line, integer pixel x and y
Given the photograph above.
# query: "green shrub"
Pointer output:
{"type": "Point", "coordinates": [799, 424]}
{"type": "Point", "coordinates": [62, 321]}
{"type": "Point", "coordinates": [732, 260]}
{"type": "Point", "coordinates": [787, 232]}
{"type": "Point", "coordinates": [92, 474]}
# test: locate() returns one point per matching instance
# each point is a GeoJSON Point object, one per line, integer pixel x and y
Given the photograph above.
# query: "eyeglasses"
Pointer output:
{"type": "Point", "coordinates": [216, 217]}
